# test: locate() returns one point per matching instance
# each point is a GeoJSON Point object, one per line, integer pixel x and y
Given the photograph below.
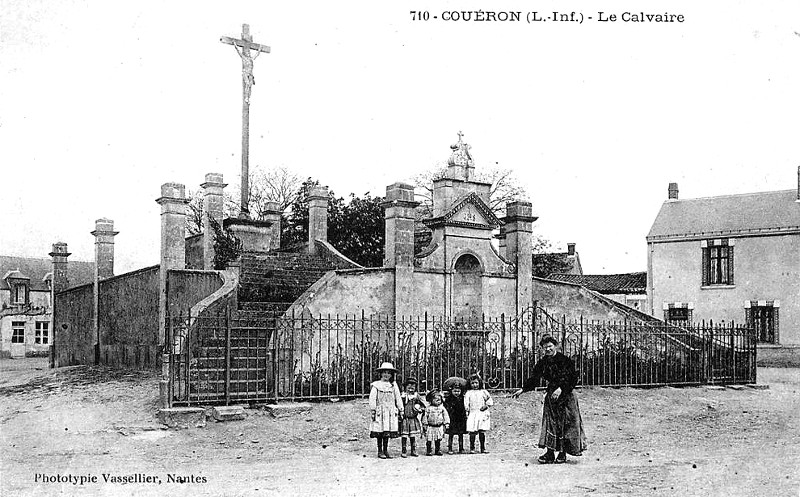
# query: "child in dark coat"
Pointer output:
{"type": "Point", "coordinates": [458, 418]}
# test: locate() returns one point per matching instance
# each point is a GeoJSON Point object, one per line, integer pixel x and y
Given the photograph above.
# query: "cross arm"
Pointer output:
{"type": "Point", "coordinates": [244, 44]}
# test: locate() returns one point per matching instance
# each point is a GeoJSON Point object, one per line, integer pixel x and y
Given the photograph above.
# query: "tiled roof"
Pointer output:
{"type": "Point", "coordinates": [628, 283]}
{"type": "Point", "coordinates": [727, 215]}
{"type": "Point", "coordinates": [78, 272]}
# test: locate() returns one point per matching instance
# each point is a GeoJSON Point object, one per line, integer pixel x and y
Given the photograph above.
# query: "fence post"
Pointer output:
{"type": "Point", "coordinates": [733, 351]}
{"type": "Point", "coordinates": [580, 354]}
{"type": "Point", "coordinates": [227, 356]}
{"type": "Point", "coordinates": [503, 350]}
{"type": "Point", "coordinates": [711, 351]}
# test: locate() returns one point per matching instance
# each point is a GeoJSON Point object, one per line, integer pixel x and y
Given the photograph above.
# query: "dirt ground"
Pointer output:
{"type": "Point", "coordinates": [92, 422]}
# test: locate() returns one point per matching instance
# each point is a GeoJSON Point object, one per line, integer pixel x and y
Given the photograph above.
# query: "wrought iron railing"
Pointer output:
{"type": "Point", "coordinates": [236, 357]}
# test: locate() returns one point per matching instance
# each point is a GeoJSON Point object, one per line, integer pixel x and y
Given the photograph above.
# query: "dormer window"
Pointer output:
{"type": "Point", "coordinates": [20, 294]}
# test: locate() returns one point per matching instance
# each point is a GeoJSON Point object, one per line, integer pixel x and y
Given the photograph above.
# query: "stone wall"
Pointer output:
{"type": "Point", "coordinates": [576, 302]}
{"type": "Point", "coordinates": [73, 327]}
{"type": "Point", "coordinates": [188, 287]}
{"type": "Point", "coordinates": [128, 319]}
{"type": "Point", "coordinates": [194, 252]}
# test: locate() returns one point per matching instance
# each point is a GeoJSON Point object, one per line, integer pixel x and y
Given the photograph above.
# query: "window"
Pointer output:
{"type": "Point", "coordinates": [42, 332]}
{"type": "Point", "coordinates": [762, 316]}
{"type": "Point", "coordinates": [717, 262]}
{"type": "Point", "coordinates": [19, 294]}
{"type": "Point", "coordinates": [678, 313]}
{"type": "Point", "coordinates": [18, 332]}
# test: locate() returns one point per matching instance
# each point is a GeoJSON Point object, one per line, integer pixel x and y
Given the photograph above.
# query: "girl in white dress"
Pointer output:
{"type": "Point", "coordinates": [477, 402]}
{"type": "Point", "coordinates": [385, 406]}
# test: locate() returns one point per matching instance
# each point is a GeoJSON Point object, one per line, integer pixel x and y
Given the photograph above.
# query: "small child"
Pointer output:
{"type": "Point", "coordinates": [434, 422]}
{"type": "Point", "coordinates": [477, 403]}
{"type": "Point", "coordinates": [385, 407]}
{"type": "Point", "coordinates": [413, 406]}
{"type": "Point", "coordinates": [454, 403]}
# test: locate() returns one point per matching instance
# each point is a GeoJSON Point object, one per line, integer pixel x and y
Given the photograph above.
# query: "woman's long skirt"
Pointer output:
{"type": "Point", "coordinates": [562, 428]}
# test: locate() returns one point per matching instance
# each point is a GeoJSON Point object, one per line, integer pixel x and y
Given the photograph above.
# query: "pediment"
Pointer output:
{"type": "Point", "coordinates": [467, 211]}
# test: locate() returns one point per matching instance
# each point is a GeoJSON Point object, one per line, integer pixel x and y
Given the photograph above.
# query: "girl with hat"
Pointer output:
{"type": "Point", "coordinates": [409, 421]}
{"type": "Point", "coordinates": [385, 407]}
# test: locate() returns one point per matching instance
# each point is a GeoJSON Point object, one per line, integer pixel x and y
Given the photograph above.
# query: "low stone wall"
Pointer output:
{"type": "Point", "coordinates": [777, 356]}
{"type": "Point", "coordinates": [576, 302]}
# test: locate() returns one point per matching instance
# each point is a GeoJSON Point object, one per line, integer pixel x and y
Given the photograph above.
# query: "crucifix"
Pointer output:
{"type": "Point", "coordinates": [243, 47]}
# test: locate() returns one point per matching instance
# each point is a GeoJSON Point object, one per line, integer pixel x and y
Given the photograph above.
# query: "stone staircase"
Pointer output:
{"type": "Point", "coordinates": [268, 285]}
{"type": "Point", "coordinates": [270, 282]}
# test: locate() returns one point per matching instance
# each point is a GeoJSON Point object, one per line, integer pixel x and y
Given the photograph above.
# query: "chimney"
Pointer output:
{"type": "Point", "coordinates": [104, 248]}
{"type": "Point", "coordinates": [673, 191]}
{"type": "Point", "coordinates": [317, 217]}
{"type": "Point", "coordinates": [571, 249]}
{"type": "Point", "coordinates": [59, 255]}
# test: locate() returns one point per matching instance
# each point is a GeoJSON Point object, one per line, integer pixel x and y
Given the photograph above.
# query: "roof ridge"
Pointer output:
{"type": "Point", "coordinates": [672, 201]}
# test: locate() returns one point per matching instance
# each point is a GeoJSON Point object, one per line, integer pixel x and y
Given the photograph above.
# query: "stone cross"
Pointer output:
{"type": "Point", "coordinates": [243, 47]}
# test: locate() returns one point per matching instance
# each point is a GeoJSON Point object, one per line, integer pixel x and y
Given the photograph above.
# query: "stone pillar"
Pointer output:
{"type": "Point", "coordinates": [501, 238]}
{"type": "Point", "coordinates": [104, 248]}
{"type": "Point", "coordinates": [59, 283]}
{"type": "Point", "coordinates": [212, 209]}
{"type": "Point", "coordinates": [272, 214]}
{"type": "Point", "coordinates": [173, 242]}
{"type": "Point", "coordinates": [60, 267]}
{"type": "Point", "coordinates": [519, 249]}
{"type": "Point", "coordinates": [317, 217]}
{"type": "Point", "coordinates": [103, 268]}
{"type": "Point", "coordinates": [399, 249]}
{"type": "Point", "coordinates": [173, 256]}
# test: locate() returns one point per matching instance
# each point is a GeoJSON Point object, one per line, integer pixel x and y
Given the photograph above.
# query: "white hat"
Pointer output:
{"type": "Point", "coordinates": [387, 366]}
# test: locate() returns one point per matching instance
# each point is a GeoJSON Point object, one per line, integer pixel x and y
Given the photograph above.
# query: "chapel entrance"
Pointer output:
{"type": "Point", "coordinates": [467, 303]}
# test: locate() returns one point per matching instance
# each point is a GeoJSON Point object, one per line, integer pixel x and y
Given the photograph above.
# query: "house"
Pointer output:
{"type": "Point", "coordinates": [626, 288]}
{"type": "Point", "coordinates": [732, 258]}
{"type": "Point", "coordinates": [545, 264]}
{"type": "Point", "coordinates": [25, 303]}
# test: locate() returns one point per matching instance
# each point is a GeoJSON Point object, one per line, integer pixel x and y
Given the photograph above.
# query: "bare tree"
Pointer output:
{"type": "Point", "coordinates": [271, 185]}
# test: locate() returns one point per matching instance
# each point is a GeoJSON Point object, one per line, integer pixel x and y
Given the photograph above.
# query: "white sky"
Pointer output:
{"type": "Point", "coordinates": [102, 102]}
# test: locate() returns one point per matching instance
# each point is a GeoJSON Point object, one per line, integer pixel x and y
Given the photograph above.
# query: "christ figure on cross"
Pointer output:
{"type": "Point", "coordinates": [243, 47]}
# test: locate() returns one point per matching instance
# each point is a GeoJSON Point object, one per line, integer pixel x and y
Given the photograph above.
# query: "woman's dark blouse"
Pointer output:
{"type": "Point", "coordinates": [558, 370]}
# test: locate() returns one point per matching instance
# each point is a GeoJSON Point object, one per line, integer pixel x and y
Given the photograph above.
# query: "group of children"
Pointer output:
{"type": "Point", "coordinates": [407, 415]}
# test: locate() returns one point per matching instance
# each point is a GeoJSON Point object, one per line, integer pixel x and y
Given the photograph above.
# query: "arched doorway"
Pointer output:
{"type": "Point", "coordinates": [467, 304]}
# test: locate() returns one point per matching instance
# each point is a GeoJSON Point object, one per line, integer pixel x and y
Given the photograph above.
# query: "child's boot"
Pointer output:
{"type": "Point", "coordinates": [471, 443]}
{"type": "Point", "coordinates": [439, 448]}
{"type": "Point", "coordinates": [413, 447]}
{"type": "Point", "coordinates": [403, 449]}
{"type": "Point", "coordinates": [386, 448]}
{"type": "Point", "coordinates": [460, 444]}
{"type": "Point", "coordinates": [380, 447]}
{"type": "Point", "coordinates": [428, 449]}
{"type": "Point", "coordinates": [450, 444]}
{"type": "Point", "coordinates": [483, 443]}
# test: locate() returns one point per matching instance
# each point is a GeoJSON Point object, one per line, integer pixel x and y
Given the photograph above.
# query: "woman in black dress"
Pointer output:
{"type": "Point", "coordinates": [562, 429]}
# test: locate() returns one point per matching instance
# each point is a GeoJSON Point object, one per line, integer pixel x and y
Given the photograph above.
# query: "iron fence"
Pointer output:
{"type": "Point", "coordinates": [235, 357]}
